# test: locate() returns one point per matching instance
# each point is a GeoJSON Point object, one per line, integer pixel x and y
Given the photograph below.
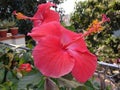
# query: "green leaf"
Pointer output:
{"type": "Point", "coordinates": [68, 83]}
{"type": "Point", "coordinates": [41, 83]}
{"type": "Point", "coordinates": [2, 87]}
{"type": "Point", "coordinates": [27, 56]}
{"type": "Point", "coordinates": [11, 77]}
{"type": "Point", "coordinates": [2, 72]}
{"type": "Point", "coordinates": [6, 86]}
{"type": "Point", "coordinates": [89, 85]}
{"type": "Point", "coordinates": [81, 88]}
{"type": "Point", "coordinates": [33, 79]}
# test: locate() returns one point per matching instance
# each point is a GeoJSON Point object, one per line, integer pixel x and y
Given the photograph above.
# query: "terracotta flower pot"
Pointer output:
{"type": "Point", "coordinates": [3, 32]}
{"type": "Point", "coordinates": [14, 30]}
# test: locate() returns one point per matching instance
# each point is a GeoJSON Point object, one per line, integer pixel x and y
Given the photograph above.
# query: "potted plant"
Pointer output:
{"type": "Point", "coordinates": [3, 28]}
{"type": "Point", "coordinates": [12, 27]}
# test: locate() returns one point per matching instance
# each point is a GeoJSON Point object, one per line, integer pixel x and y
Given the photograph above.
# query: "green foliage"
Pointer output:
{"type": "Point", "coordinates": [104, 44]}
{"type": "Point", "coordinates": [4, 24]}
{"type": "Point", "coordinates": [29, 81]}
{"type": "Point", "coordinates": [12, 79]}
{"type": "Point", "coordinates": [10, 59]}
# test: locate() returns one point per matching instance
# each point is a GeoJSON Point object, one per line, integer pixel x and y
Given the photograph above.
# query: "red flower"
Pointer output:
{"type": "Point", "coordinates": [45, 15]}
{"type": "Point", "coordinates": [54, 59]}
{"type": "Point", "coordinates": [60, 51]}
{"type": "Point", "coordinates": [25, 67]}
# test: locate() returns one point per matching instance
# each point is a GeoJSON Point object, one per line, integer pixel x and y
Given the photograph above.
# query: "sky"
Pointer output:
{"type": "Point", "coordinates": [68, 5]}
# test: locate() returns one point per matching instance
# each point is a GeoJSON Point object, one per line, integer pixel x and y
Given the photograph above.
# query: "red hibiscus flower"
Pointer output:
{"type": "Point", "coordinates": [53, 59]}
{"type": "Point", "coordinates": [25, 67]}
{"type": "Point", "coordinates": [60, 51]}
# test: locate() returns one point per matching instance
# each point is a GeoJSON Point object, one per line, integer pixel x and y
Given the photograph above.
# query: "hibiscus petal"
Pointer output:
{"type": "Point", "coordinates": [51, 59]}
{"type": "Point", "coordinates": [52, 28]}
{"type": "Point", "coordinates": [85, 65]}
{"type": "Point", "coordinates": [85, 62]}
{"type": "Point", "coordinates": [51, 16]}
{"type": "Point", "coordinates": [45, 15]}
{"type": "Point", "coordinates": [69, 36]}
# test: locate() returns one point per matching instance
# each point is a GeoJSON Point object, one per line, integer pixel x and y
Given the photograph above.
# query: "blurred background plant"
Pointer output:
{"type": "Point", "coordinates": [4, 24]}
{"type": "Point", "coordinates": [10, 61]}
{"type": "Point", "coordinates": [104, 44]}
